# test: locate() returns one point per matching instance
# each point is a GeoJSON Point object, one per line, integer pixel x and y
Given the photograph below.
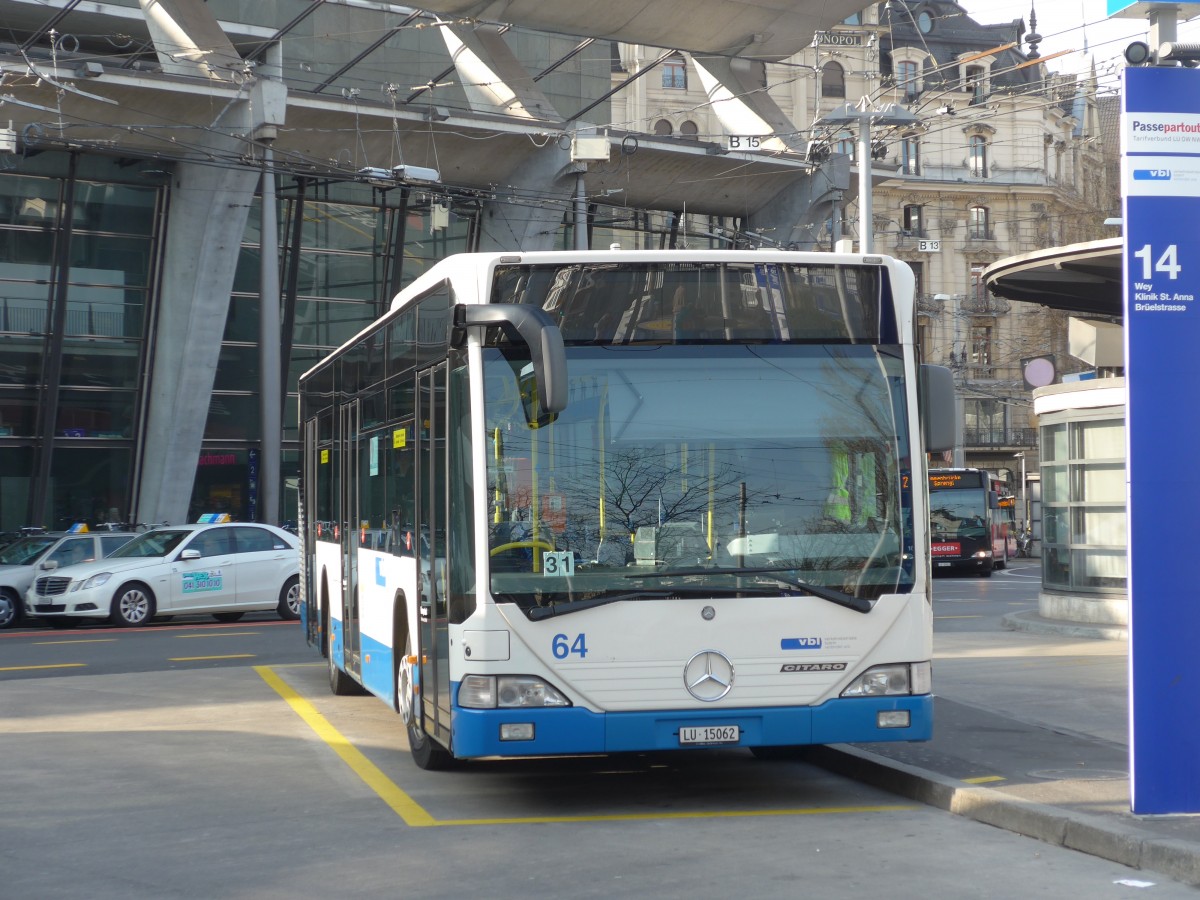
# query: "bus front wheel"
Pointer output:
{"type": "Point", "coordinates": [426, 752]}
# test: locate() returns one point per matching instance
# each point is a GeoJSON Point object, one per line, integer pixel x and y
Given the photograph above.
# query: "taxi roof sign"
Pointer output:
{"type": "Point", "coordinates": [213, 518]}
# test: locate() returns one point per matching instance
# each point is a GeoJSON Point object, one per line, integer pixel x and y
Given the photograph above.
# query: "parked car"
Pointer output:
{"type": "Point", "coordinates": [22, 560]}
{"type": "Point", "coordinates": [224, 570]}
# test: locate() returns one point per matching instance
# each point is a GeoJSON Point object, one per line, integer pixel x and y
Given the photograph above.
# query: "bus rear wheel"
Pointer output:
{"type": "Point", "coordinates": [426, 752]}
{"type": "Point", "coordinates": [340, 683]}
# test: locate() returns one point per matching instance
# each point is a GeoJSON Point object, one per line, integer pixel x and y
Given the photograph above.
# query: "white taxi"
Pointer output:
{"type": "Point", "coordinates": [224, 570]}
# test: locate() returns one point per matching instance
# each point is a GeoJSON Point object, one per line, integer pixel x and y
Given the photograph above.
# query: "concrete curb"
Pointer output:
{"type": "Point", "coordinates": [1093, 835]}
{"type": "Point", "coordinates": [1032, 623]}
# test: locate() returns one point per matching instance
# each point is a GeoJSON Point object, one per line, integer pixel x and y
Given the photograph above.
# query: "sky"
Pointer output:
{"type": "Point", "coordinates": [1063, 25]}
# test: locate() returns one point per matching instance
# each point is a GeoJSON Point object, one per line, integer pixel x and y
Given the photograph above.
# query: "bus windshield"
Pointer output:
{"type": "Point", "coordinates": [737, 460]}
{"type": "Point", "coordinates": [704, 302]}
{"type": "Point", "coordinates": [958, 512]}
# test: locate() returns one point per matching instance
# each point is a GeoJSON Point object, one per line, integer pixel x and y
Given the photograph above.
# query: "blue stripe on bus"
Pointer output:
{"type": "Point", "coordinates": [574, 730]}
{"type": "Point", "coordinates": [336, 647]}
{"type": "Point", "coordinates": [377, 669]}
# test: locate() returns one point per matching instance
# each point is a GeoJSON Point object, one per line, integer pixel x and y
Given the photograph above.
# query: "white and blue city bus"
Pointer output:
{"type": "Point", "coordinates": [606, 501]}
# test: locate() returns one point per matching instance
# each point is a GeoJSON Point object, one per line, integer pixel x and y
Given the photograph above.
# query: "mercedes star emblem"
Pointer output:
{"type": "Point", "coordinates": [708, 676]}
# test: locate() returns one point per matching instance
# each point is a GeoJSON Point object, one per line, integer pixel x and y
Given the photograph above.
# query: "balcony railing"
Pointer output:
{"type": "Point", "coordinates": [1000, 437]}
{"type": "Point", "coordinates": [985, 306]}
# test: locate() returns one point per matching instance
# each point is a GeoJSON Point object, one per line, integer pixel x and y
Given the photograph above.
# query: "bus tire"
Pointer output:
{"type": "Point", "coordinates": [986, 573]}
{"type": "Point", "coordinates": [427, 753]}
{"type": "Point", "coordinates": [340, 683]}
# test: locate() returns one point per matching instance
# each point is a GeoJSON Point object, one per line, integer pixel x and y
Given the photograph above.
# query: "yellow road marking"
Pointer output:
{"type": "Point", "coordinates": [198, 658]}
{"type": "Point", "coordinates": [55, 666]}
{"type": "Point", "coordinates": [985, 779]}
{"type": "Point", "coordinates": [87, 641]}
{"type": "Point", "coordinates": [415, 815]}
{"type": "Point", "coordinates": [184, 637]}
{"type": "Point", "coordinates": [402, 804]}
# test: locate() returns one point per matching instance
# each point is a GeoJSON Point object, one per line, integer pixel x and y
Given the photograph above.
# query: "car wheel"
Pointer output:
{"type": "Point", "coordinates": [426, 753]}
{"type": "Point", "coordinates": [227, 617]}
{"type": "Point", "coordinates": [289, 599]}
{"type": "Point", "coordinates": [10, 608]}
{"type": "Point", "coordinates": [132, 606]}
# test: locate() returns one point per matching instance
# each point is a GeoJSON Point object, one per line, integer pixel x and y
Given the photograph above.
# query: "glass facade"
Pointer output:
{"type": "Point", "coordinates": [1083, 502]}
{"type": "Point", "coordinates": [78, 259]}
{"type": "Point", "coordinates": [77, 319]}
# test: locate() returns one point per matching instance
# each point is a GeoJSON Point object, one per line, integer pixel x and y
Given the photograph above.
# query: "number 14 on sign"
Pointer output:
{"type": "Point", "coordinates": [1167, 263]}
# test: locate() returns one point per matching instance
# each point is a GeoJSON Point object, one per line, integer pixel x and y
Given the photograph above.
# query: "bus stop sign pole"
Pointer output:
{"type": "Point", "coordinates": [1161, 187]}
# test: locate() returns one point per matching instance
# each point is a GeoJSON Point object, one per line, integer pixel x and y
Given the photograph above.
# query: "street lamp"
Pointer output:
{"type": "Point", "coordinates": [864, 115]}
{"type": "Point", "coordinates": [1024, 511]}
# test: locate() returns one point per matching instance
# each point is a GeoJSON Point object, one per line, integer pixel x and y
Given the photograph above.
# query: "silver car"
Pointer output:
{"type": "Point", "coordinates": [22, 560]}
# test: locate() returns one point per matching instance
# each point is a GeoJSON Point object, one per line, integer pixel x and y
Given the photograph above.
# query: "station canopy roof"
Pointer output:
{"type": "Point", "coordinates": [768, 30]}
{"type": "Point", "coordinates": [1084, 279]}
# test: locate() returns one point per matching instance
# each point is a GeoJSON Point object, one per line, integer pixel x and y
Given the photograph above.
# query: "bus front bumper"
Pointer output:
{"type": "Point", "coordinates": [574, 730]}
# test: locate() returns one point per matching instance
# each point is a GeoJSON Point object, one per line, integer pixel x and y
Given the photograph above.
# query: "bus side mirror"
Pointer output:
{"type": "Point", "coordinates": [936, 402]}
{"type": "Point", "coordinates": [534, 327]}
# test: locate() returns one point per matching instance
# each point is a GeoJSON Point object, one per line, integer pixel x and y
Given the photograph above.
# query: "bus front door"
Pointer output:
{"type": "Point", "coordinates": [432, 505]}
{"type": "Point", "coordinates": [349, 427]}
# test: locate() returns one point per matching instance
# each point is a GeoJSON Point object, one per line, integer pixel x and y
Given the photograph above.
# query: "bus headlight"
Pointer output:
{"type": "Point", "coordinates": [983, 554]}
{"type": "Point", "coordinates": [892, 680]}
{"type": "Point", "coordinates": [508, 692]}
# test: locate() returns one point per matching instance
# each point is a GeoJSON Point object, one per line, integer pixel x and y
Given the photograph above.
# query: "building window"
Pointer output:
{"type": "Point", "coordinates": [847, 146]}
{"type": "Point", "coordinates": [833, 80]}
{"type": "Point", "coordinates": [977, 224]}
{"type": "Point", "coordinates": [674, 73]}
{"type": "Point", "coordinates": [977, 159]}
{"type": "Point", "coordinates": [906, 79]}
{"type": "Point", "coordinates": [910, 156]}
{"type": "Point", "coordinates": [981, 348]}
{"type": "Point", "coordinates": [913, 225]}
{"type": "Point", "coordinates": [689, 129]}
{"type": "Point", "coordinates": [983, 423]}
{"type": "Point", "coordinates": [924, 338]}
{"type": "Point", "coordinates": [974, 83]}
{"type": "Point", "coordinates": [918, 270]}
{"type": "Point", "coordinates": [663, 128]}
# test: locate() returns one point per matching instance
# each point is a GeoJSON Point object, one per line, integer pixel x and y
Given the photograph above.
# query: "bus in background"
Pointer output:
{"type": "Point", "coordinates": [603, 501]}
{"type": "Point", "coordinates": [972, 521]}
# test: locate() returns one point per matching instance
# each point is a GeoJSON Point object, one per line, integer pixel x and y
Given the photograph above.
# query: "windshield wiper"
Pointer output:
{"type": "Point", "coordinates": [570, 606]}
{"type": "Point", "coordinates": [558, 609]}
{"type": "Point", "coordinates": [858, 604]}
